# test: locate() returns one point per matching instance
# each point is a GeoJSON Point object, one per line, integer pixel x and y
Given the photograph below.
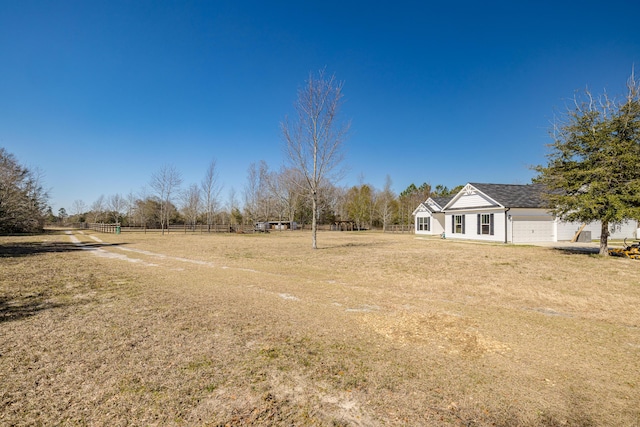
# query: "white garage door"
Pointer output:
{"type": "Point", "coordinates": [525, 231]}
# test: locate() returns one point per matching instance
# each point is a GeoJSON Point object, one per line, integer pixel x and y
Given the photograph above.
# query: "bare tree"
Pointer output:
{"type": "Point", "coordinates": [211, 189]}
{"type": "Point", "coordinates": [78, 208]}
{"type": "Point", "coordinates": [192, 204]}
{"type": "Point", "coordinates": [291, 183]}
{"type": "Point", "coordinates": [385, 202]}
{"type": "Point", "coordinates": [117, 205]}
{"type": "Point", "coordinates": [140, 210]}
{"type": "Point", "coordinates": [329, 202]}
{"type": "Point", "coordinates": [266, 199]}
{"type": "Point", "coordinates": [284, 188]}
{"type": "Point", "coordinates": [257, 199]}
{"type": "Point", "coordinates": [166, 183]}
{"type": "Point", "coordinates": [131, 207]}
{"type": "Point", "coordinates": [250, 192]}
{"type": "Point", "coordinates": [97, 208]}
{"type": "Point", "coordinates": [340, 203]}
{"type": "Point", "coordinates": [235, 216]}
{"type": "Point", "coordinates": [314, 140]}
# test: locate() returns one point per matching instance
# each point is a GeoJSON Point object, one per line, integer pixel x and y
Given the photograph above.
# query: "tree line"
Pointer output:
{"type": "Point", "coordinates": [23, 199]}
{"type": "Point", "coordinates": [267, 195]}
{"type": "Point", "coordinates": [592, 174]}
{"type": "Point", "coordinates": [305, 190]}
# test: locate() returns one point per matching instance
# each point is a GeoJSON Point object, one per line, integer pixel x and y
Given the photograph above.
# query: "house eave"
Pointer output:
{"type": "Point", "coordinates": [477, 208]}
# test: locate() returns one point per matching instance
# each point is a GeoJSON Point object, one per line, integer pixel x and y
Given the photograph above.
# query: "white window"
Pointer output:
{"type": "Point", "coordinates": [458, 224]}
{"type": "Point", "coordinates": [485, 224]}
{"type": "Point", "coordinates": [424, 223]}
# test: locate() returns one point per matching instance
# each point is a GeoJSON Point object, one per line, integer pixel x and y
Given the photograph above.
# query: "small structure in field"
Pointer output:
{"type": "Point", "coordinates": [265, 226]}
{"type": "Point", "coordinates": [343, 226]}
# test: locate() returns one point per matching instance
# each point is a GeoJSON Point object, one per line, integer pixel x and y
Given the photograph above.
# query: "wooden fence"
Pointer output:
{"type": "Point", "coordinates": [215, 228]}
{"type": "Point", "coordinates": [180, 228]}
{"type": "Point", "coordinates": [173, 228]}
{"type": "Point", "coordinates": [103, 228]}
{"type": "Point", "coordinates": [398, 228]}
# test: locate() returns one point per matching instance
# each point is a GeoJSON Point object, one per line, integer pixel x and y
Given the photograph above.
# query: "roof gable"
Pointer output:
{"type": "Point", "coordinates": [421, 208]}
{"type": "Point", "coordinates": [432, 205]}
{"type": "Point", "coordinates": [469, 198]}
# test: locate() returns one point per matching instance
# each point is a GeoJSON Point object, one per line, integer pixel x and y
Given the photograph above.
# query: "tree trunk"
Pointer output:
{"type": "Point", "coordinates": [314, 221]}
{"type": "Point", "coordinates": [604, 237]}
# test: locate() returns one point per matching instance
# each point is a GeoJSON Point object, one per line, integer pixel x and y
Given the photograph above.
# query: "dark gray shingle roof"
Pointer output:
{"type": "Point", "coordinates": [514, 195]}
{"type": "Point", "coordinates": [442, 201]}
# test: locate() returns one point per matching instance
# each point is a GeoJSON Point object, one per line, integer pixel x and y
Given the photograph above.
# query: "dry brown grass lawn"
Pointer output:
{"type": "Point", "coordinates": [371, 329]}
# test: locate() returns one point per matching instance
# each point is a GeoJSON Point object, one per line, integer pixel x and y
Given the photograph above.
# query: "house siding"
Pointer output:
{"type": "Point", "coordinates": [437, 223]}
{"type": "Point", "coordinates": [467, 201]}
{"type": "Point", "coordinates": [529, 222]}
{"type": "Point", "coordinates": [471, 225]}
{"type": "Point", "coordinates": [626, 229]}
{"type": "Point", "coordinates": [424, 214]}
{"type": "Point", "coordinates": [430, 209]}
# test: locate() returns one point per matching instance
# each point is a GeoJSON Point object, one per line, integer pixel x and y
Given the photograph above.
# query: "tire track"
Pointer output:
{"type": "Point", "coordinates": [104, 253]}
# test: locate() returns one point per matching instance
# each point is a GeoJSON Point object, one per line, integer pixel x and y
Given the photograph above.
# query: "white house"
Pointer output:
{"type": "Point", "coordinates": [429, 216]}
{"type": "Point", "coordinates": [508, 213]}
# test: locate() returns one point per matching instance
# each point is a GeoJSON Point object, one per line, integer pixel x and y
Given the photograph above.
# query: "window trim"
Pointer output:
{"type": "Point", "coordinates": [485, 224]}
{"type": "Point", "coordinates": [424, 223]}
{"type": "Point", "coordinates": [457, 224]}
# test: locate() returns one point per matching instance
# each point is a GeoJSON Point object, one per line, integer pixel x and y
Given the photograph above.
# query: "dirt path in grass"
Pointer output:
{"type": "Point", "coordinates": [136, 256]}
{"type": "Point", "coordinates": [102, 251]}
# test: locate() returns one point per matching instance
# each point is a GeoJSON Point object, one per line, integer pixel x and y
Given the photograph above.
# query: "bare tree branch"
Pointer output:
{"type": "Point", "coordinates": [314, 141]}
{"type": "Point", "coordinates": [166, 183]}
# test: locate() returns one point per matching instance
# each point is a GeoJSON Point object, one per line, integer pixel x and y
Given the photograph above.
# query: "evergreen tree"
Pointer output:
{"type": "Point", "coordinates": [22, 198]}
{"type": "Point", "coordinates": [593, 170]}
{"type": "Point", "coordinates": [359, 204]}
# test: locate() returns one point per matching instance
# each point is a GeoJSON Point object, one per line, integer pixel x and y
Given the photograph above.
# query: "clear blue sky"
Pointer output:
{"type": "Point", "coordinates": [100, 94]}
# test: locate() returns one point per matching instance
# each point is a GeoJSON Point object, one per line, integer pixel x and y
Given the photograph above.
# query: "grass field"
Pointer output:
{"type": "Point", "coordinates": [370, 329]}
